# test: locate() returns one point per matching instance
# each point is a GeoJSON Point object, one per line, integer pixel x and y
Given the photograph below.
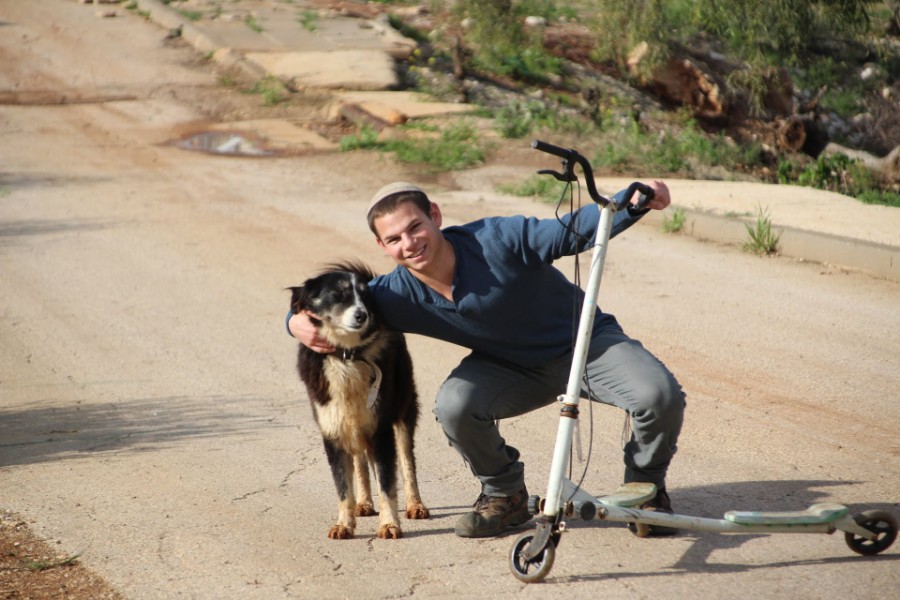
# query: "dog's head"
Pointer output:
{"type": "Point", "coordinates": [339, 296]}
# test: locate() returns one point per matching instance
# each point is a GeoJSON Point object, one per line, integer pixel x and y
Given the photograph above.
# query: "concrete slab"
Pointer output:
{"type": "Point", "coordinates": [347, 33]}
{"type": "Point", "coordinates": [339, 69]}
{"type": "Point", "coordinates": [414, 105]}
{"type": "Point", "coordinates": [301, 29]}
{"type": "Point", "coordinates": [240, 37]}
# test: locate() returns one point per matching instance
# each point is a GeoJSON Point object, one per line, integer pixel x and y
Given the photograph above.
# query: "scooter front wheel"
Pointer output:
{"type": "Point", "coordinates": [535, 569]}
{"type": "Point", "coordinates": [879, 522]}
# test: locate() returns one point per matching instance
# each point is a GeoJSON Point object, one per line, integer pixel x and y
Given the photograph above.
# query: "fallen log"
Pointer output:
{"type": "Point", "coordinates": [887, 166]}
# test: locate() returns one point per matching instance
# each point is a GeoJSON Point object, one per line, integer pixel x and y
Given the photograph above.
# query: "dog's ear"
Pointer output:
{"type": "Point", "coordinates": [298, 298]}
{"type": "Point", "coordinates": [301, 300]}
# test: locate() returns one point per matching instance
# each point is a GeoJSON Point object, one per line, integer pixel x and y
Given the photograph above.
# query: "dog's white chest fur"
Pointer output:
{"type": "Point", "coordinates": [348, 418]}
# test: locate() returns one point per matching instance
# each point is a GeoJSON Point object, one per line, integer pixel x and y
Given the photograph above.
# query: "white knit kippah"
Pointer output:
{"type": "Point", "coordinates": [391, 189]}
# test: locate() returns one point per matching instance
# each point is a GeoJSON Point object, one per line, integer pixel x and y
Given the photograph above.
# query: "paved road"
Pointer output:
{"type": "Point", "coordinates": [150, 416]}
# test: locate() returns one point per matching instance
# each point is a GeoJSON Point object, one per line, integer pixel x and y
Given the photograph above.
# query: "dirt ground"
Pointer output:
{"type": "Point", "coordinates": [30, 568]}
{"type": "Point", "coordinates": [152, 429]}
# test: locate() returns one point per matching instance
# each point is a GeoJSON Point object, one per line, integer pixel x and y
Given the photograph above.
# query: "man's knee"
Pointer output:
{"type": "Point", "coordinates": [453, 404]}
{"type": "Point", "coordinates": [660, 398]}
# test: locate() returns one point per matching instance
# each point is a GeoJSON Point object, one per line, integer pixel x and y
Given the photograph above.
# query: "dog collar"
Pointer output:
{"type": "Point", "coordinates": [347, 354]}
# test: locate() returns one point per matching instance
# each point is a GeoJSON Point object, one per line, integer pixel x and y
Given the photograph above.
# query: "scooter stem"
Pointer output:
{"type": "Point", "coordinates": [569, 411]}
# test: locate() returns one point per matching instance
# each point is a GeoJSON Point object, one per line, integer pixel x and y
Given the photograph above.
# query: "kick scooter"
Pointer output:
{"type": "Point", "coordinates": [533, 553]}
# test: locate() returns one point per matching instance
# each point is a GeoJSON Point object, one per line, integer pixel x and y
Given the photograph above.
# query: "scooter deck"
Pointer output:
{"type": "Point", "coordinates": [630, 494]}
{"type": "Point", "coordinates": [816, 514]}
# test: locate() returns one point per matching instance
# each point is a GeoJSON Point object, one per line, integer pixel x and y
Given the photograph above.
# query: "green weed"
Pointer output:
{"type": "Point", "coordinates": [253, 24]}
{"type": "Point", "coordinates": [674, 221]}
{"type": "Point", "coordinates": [520, 118]}
{"type": "Point", "coordinates": [841, 174]}
{"type": "Point", "coordinates": [308, 19]}
{"type": "Point", "coordinates": [365, 139]}
{"type": "Point", "coordinates": [456, 148]}
{"type": "Point", "coordinates": [762, 238]}
{"type": "Point", "coordinates": [880, 197]}
{"type": "Point", "coordinates": [452, 149]}
{"type": "Point", "coordinates": [628, 147]}
{"type": "Point", "coordinates": [271, 89]}
{"type": "Point", "coordinates": [45, 565]}
{"type": "Point", "coordinates": [191, 15]}
{"type": "Point", "coordinates": [500, 44]}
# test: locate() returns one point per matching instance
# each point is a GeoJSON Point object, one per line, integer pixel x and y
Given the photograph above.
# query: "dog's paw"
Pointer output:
{"type": "Point", "coordinates": [389, 532]}
{"type": "Point", "coordinates": [417, 511]}
{"type": "Point", "coordinates": [365, 509]}
{"type": "Point", "coordinates": [340, 532]}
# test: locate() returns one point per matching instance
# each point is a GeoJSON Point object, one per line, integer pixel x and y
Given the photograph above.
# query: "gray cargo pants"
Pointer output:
{"type": "Point", "coordinates": [621, 372]}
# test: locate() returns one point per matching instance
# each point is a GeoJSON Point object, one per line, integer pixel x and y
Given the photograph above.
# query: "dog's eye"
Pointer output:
{"type": "Point", "coordinates": [339, 295]}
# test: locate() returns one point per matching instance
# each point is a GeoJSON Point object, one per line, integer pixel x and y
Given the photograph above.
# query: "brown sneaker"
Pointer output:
{"type": "Point", "coordinates": [493, 514]}
{"type": "Point", "coordinates": [660, 503]}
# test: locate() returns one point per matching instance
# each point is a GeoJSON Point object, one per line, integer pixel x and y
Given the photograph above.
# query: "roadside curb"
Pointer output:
{"type": "Point", "coordinates": [879, 260]}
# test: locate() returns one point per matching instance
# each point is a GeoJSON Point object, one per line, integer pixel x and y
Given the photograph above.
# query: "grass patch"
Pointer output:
{"type": "Point", "coordinates": [674, 221]}
{"type": "Point", "coordinates": [541, 187]}
{"type": "Point", "coordinates": [627, 147]}
{"type": "Point", "coordinates": [520, 118]}
{"type": "Point", "coordinates": [308, 19]}
{"type": "Point", "coordinates": [190, 15]}
{"type": "Point", "coordinates": [253, 24]}
{"type": "Point", "coordinates": [46, 565]}
{"type": "Point", "coordinates": [841, 174]}
{"type": "Point", "coordinates": [271, 89]}
{"type": "Point", "coordinates": [881, 198]}
{"type": "Point", "coordinates": [500, 44]}
{"type": "Point", "coordinates": [763, 240]}
{"type": "Point", "coordinates": [455, 148]}
{"type": "Point", "coordinates": [365, 139]}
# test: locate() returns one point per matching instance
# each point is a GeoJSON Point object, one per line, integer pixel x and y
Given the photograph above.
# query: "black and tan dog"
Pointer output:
{"type": "Point", "coordinates": [363, 397]}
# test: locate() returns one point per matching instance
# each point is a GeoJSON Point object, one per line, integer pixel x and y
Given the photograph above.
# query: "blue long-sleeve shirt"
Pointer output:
{"type": "Point", "coordinates": [509, 301]}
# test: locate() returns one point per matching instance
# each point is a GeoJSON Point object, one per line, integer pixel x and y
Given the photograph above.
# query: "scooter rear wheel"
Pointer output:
{"type": "Point", "coordinates": [880, 522]}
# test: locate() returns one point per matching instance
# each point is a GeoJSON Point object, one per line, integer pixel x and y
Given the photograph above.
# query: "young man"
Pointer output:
{"type": "Point", "coordinates": [490, 286]}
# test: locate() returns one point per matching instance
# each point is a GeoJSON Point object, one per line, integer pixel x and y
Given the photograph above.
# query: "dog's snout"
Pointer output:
{"type": "Point", "coordinates": [360, 316]}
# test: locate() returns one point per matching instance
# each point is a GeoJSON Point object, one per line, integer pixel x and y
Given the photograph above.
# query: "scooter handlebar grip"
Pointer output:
{"type": "Point", "coordinates": [646, 195]}
{"type": "Point", "coordinates": [551, 149]}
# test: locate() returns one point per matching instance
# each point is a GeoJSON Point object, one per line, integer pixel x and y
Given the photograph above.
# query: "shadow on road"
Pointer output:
{"type": "Point", "coordinates": [45, 433]}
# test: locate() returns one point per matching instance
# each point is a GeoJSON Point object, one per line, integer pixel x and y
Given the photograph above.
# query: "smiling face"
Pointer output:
{"type": "Point", "coordinates": [411, 237]}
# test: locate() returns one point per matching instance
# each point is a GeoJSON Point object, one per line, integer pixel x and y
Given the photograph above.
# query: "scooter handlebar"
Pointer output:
{"type": "Point", "coordinates": [646, 195]}
{"type": "Point", "coordinates": [571, 157]}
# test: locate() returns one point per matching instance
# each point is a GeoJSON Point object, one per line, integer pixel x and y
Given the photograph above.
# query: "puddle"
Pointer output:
{"type": "Point", "coordinates": [227, 143]}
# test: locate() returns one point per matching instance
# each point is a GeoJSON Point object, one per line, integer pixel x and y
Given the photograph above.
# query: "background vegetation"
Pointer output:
{"type": "Point", "coordinates": [544, 67]}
